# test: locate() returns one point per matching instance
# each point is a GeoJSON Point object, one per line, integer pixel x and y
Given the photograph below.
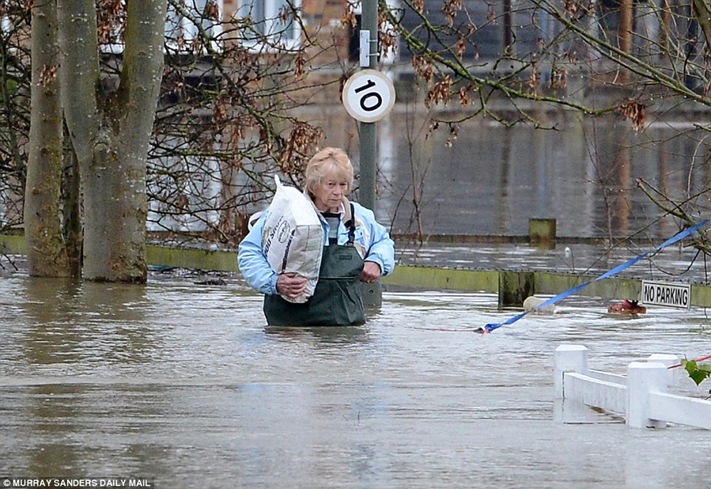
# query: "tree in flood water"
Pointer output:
{"type": "Point", "coordinates": [108, 131]}
{"type": "Point", "coordinates": [221, 127]}
{"type": "Point", "coordinates": [47, 253]}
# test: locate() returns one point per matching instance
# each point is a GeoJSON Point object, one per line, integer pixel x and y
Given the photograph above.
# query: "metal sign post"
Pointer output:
{"type": "Point", "coordinates": [367, 100]}
{"type": "Point", "coordinates": [368, 136]}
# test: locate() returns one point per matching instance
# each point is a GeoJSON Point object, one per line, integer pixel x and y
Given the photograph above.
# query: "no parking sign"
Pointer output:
{"type": "Point", "coordinates": [368, 95]}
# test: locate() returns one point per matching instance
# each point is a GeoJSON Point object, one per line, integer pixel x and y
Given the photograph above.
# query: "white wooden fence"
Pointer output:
{"type": "Point", "coordinates": [642, 396]}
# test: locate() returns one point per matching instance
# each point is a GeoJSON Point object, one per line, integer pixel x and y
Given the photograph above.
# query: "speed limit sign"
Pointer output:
{"type": "Point", "coordinates": [368, 95]}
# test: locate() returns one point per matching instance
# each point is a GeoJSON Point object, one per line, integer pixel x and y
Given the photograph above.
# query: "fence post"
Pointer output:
{"type": "Point", "coordinates": [568, 358]}
{"type": "Point", "coordinates": [514, 287]}
{"type": "Point", "coordinates": [643, 378]}
{"type": "Point", "coordinates": [668, 360]}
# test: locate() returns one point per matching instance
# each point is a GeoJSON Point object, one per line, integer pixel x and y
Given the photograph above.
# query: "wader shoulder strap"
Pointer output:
{"type": "Point", "coordinates": [350, 223]}
{"type": "Point", "coordinates": [347, 209]}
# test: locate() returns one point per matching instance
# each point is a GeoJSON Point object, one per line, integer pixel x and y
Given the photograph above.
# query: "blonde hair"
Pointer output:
{"type": "Point", "coordinates": [325, 162]}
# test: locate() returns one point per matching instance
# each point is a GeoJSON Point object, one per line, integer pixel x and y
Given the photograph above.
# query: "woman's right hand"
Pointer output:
{"type": "Point", "coordinates": [290, 285]}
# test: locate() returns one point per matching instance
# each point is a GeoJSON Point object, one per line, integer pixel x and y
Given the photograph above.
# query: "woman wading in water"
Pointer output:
{"type": "Point", "coordinates": [356, 249]}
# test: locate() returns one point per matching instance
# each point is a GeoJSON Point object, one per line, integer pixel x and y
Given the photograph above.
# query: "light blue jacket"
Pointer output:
{"type": "Point", "coordinates": [372, 241]}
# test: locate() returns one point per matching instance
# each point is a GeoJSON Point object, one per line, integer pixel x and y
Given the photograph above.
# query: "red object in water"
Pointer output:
{"type": "Point", "coordinates": [627, 307]}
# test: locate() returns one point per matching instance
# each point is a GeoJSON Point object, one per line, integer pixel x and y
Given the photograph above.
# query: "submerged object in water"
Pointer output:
{"type": "Point", "coordinates": [627, 307]}
{"type": "Point", "coordinates": [531, 304]}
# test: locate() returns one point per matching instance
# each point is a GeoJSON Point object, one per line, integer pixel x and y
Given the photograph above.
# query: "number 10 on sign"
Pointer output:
{"type": "Point", "coordinates": [368, 95]}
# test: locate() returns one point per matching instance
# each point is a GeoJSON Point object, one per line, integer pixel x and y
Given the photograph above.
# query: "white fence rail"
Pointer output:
{"type": "Point", "coordinates": [642, 396]}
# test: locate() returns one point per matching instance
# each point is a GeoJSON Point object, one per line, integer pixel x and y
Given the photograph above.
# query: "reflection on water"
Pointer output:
{"type": "Point", "coordinates": [185, 384]}
{"type": "Point", "coordinates": [70, 323]}
{"type": "Point", "coordinates": [491, 180]}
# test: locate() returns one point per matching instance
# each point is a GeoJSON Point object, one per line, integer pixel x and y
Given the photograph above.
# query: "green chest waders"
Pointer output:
{"type": "Point", "coordinates": [337, 299]}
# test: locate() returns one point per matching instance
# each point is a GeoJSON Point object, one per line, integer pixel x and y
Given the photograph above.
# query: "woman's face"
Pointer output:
{"type": "Point", "coordinates": [330, 192]}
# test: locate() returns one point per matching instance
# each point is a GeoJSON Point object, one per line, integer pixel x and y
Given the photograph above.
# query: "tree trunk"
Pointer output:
{"type": "Point", "coordinates": [46, 250]}
{"type": "Point", "coordinates": [136, 102]}
{"type": "Point", "coordinates": [71, 204]}
{"type": "Point", "coordinates": [79, 75]}
{"type": "Point", "coordinates": [111, 135]}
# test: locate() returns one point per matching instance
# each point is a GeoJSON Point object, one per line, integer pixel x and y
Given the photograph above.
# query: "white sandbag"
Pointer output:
{"type": "Point", "coordinates": [533, 304]}
{"type": "Point", "coordinates": [293, 238]}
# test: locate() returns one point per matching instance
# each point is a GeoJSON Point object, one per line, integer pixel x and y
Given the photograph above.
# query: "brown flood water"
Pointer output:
{"type": "Point", "coordinates": [183, 384]}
